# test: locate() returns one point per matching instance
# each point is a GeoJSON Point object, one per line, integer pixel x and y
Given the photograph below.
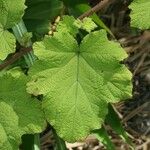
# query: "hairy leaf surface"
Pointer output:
{"type": "Point", "coordinates": [71, 25]}
{"type": "Point", "coordinates": [86, 24]}
{"type": "Point", "coordinates": [20, 114]}
{"type": "Point", "coordinates": [78, 81]}
{"type": "Point", "coordinates": [67, 24]}
{"type": "Point", "coordinates": [10, 14]}
{"type": "Point", "coordinates": [140, 14]}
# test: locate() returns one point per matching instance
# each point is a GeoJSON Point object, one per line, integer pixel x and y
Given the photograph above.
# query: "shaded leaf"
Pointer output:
{"type": "Point", "coordinates": [39, 13]}
{"type": "Point", "coordinates": [113, 120]}
{"type": "Point", "coordinates": [103, 137]}
{"type": "Point", "coordinates": [60, 143]}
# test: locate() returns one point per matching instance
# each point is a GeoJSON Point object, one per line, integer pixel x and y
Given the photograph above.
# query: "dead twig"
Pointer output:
{"type": "Point", "coordinates": [96, 8]}
{"type": "Point", "coordinates": [134, 112]}
{"type": "Point", "coordinates": [140, 63]}
{"type": "Point", "coordinates": [144, 145]}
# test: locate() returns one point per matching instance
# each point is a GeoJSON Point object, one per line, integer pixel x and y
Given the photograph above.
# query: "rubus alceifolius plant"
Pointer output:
{"type": "Point", "coordinates": [68, 81]}
{"type": "Point", "coordinates": [78, 74]}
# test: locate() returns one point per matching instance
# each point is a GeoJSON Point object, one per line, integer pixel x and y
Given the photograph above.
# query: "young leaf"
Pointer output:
{"type": "Point", "coordinates": [77, 81]}
{"type": "Point", "coordinates": [67, 25]}
{"type": "Point", "coordinates": [10, 14]}
{"type": "Point", "coordinates": [140, 14]}
{"type": "Point", "coordinates": [71, 25]}
{"type": "Point", "coordinates": [86, 24]}
{"type": "Point", "coordinates": [20, 114]}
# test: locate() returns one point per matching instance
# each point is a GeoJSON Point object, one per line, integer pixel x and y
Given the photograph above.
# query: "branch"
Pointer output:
{"type": "Point", "coordinates": [95, 9]}
{"type": "Point", "coordinates": [15, 57]}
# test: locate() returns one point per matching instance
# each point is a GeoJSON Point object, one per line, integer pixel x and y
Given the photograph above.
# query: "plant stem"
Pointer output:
{"type": "Point", "coordinates": [19, 30]}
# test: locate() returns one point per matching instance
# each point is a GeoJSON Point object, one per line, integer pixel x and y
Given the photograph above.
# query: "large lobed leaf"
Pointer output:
{"type": "Point", "coordinates": [78, 81]}
{"type": "Point", "coordinates": [10, 14]}
{"type": "Point", "coordinates": [140, 14]}
{"type": "Point", "coordinates": [20, 114]}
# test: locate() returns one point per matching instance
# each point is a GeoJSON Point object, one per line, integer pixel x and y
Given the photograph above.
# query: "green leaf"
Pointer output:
{"type": "Point", "coordinates": [7, 43]}
{"type": "Point", "coordinates": [10, 14]}
{"type": "Point", "coordinates": [38, 28]}
{"type": "Point", "coordinates": [39, 13]}
{"type": "Point", "coordinates": [42, 9]}
{"type": "Point", "coordinates": [102, 136]}
{"type": "Point", "coordinates": [77, 81]}
{"type": "Point", "coordinates": [140, 14]}
{"type": "Point", "coordinates": [20, 114]}
{"type": "Point", "coordinates": [113, 120]}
